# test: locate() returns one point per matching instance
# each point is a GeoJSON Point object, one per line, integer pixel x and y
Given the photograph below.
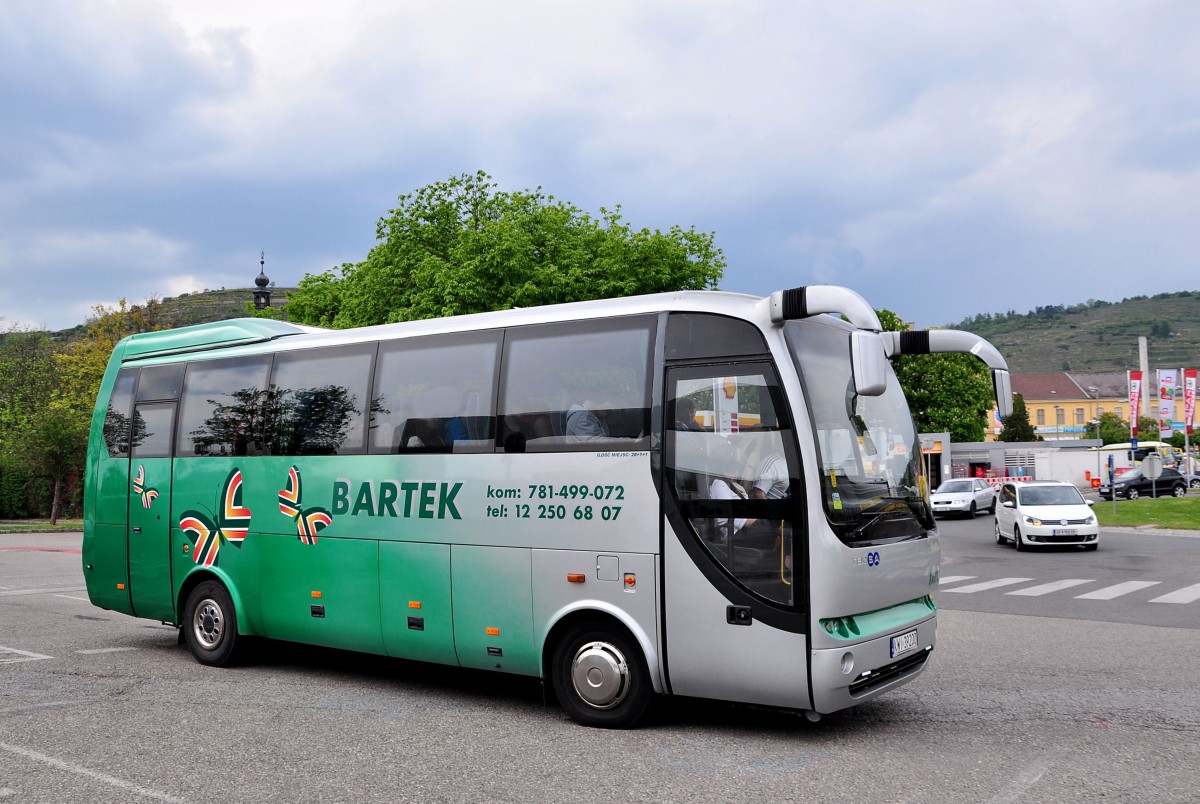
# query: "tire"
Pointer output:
{"type": "Point", "coordinates": [600, 677]}
{"type": "Point", "coordinates": [210, 625]}
{"type": "Point", "coordinates": [1018, 542]}
{"type": "Point", "coordinates": [1195, 483]}
{"type": "Point", "coordinates": [1000, 536]}
{"type": "Point", "coordinates": [992, 507]}
{"type": "Point", "coordinates": [1132, 494]}
{"type": "Point", "coordinates": [973, 512]}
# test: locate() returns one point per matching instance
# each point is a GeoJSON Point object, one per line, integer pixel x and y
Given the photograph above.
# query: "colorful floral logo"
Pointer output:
{"type": "Point", "coordinates": [309, 521]}
{"type": "Point", "coordinates": [231, 522]}
{"type": "Point", "coordinates": [147, 494]}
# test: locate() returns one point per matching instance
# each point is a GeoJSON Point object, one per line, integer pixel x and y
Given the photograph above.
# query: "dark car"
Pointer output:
{"type": "Point", "coordinates": [1134, 484]}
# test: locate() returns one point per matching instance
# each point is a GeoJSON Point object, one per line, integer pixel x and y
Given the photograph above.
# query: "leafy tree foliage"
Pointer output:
{"type": "Point", "coordinates": [81, 363]}
{"type": "Point", "coordinates": [56, 446]}
{"type": "Point", "coordinates": [1017, 427]}
{"type": "Point", "coordinates": [29, 378]}
{"type": "Point", "coordinates": [46, 402]}
{"type": "Point", "coordinates": [463, 246]}
{"type": "Point", "coordinates": [946, 393]}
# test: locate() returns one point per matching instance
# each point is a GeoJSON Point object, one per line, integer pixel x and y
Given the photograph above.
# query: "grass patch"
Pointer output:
{"type": "Point", "coordinates": [40, 526]}
{"type": "Point", "coordinates": [1181, 513]}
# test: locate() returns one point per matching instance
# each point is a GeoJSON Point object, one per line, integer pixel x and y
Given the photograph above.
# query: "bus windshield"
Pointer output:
{"type": "Point", "coordinates": [872, 480]}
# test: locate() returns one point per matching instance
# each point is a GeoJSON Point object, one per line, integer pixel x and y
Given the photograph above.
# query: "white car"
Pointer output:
{"type": "Point", "coordinates": [1044, 512]}
{"type": "Point", "coordinates": [966, 496]}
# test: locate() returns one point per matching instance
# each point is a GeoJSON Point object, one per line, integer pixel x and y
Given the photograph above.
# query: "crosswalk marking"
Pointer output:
{"type": "Point", "coordinates": [1183, 595]}
{"type": "Point", "coordinates": [1047, 588]}
{"type": "Point", "coordinates": [13, 655]}
{"type": "Point", "coordinates": [1109, 592]}
{"type": "Point", "coordinates": [1187, 594]}
{"type": "Point", "coordinates": [985, 585]}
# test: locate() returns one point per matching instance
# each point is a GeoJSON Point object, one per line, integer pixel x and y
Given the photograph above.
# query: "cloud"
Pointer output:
{"type": "Point", "coordinates": [1046, 153]}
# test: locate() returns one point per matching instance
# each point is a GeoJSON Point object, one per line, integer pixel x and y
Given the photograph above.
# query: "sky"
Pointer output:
{"type": "Point", "coordinates": [941, 158]}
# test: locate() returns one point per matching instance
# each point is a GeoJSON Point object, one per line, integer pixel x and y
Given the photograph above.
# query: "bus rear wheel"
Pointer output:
{"type": "Point", "coordinates": [600, 677]}
{"type": "Point", "coordinates": [210, 625]}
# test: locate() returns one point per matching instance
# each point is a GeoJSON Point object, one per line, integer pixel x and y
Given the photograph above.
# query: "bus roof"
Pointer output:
{"type": "Point", "coordinates": [234, 332]}
{"type": "Point", "coordinates": [1126, 445]}
{"type": "Point", "coordinates": [249, 331]}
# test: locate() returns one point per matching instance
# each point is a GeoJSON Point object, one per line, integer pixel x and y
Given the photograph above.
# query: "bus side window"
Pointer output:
{"type": "Point", "coordinates": [224, 407]}
{"type": "Point", "coordinates": [580, 386]}
{"type": "Point", "coordinates": [435, 394]}
{"type": "Point", "coordinates": [319, 401]}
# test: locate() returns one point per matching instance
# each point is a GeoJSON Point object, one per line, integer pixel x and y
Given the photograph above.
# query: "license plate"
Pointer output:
{"type": "Point", "coordinates": [904, 643]}
{"type": "Point", "coordinates": [1065, 532]}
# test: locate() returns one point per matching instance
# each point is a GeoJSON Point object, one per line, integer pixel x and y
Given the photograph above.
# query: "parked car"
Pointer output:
{"type": "Point", "coordinates": [1134, 484]}
{"type": "Point", "coordinates": [966, 496]}
{"type": "Point", "coordinates": [1045, 512]}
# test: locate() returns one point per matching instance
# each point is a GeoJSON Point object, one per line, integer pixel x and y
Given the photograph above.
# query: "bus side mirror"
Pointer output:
{"type": "Point", "coordinates": [1002, 384]}
{"type": "Point", "coordinates": [869, 362]}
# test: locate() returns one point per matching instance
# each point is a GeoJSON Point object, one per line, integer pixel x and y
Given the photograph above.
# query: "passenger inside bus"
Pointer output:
{"type": "Point", "coordinates": [587, 421]}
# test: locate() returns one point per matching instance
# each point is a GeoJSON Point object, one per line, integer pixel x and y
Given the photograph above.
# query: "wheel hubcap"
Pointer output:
{"type": "Point", "coordinates": [600, 675]}
{"type": "Point", "coordinates": [208, 624]}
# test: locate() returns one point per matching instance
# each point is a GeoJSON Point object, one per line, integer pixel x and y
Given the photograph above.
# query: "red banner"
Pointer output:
{"type": "Point", "coordinates": [1135, 399]}
{"type": "Point", "coordinates": [1189, 398]}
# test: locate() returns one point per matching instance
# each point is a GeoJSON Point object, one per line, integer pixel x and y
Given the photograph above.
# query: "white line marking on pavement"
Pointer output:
{"type": "Point", "coordinates": [20, 656]}
{"type": "Point", "coordinates": [956, 578]}
{"type": "Point", "coordinates": [1187, 594]}
{"type": "Point", "coordinates": [95, 651]}
{"type": "Point", "coordinates": [79, 770]}
{"type": "Point", "coordinates": [1026, 779]}
{"type": "Point", "coordinates": [1109, 592]}
{"type": "Point", "coordinates": [984, 586]}
{"type": "Point", "coordinates": [69, 597]}
{"type": "Point", "coordinates": [1047, 588]}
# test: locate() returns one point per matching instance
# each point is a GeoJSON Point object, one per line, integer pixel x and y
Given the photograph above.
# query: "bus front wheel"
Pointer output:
{"type": "Point", "coordinates": [210, 625]}
{"type": "Point", "coordinates": [600, 677]}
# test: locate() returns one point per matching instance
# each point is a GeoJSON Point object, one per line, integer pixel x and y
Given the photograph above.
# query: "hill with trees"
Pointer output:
{"type": "Point", "coordinates": [1096, 336]}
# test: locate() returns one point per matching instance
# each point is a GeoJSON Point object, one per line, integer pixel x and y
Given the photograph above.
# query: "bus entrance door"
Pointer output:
{"type": "Point", "coordinates": [149, 532]}
{"type": "Point", "coordinates": [734, 626]}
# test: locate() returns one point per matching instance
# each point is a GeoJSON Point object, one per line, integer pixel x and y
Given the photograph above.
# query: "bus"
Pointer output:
{"type": "Point", "coordinates": [699, 494]}
{"type": "Point", "coordinates": [1126, 456]}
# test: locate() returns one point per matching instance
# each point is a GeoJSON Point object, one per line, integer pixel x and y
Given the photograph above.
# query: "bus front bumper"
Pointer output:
{"type": "Point", "coordinates": [850, 674]}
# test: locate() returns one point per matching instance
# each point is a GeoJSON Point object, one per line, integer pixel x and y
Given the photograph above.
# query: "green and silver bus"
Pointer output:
{"type": "Point", "coordinates": [698, 493]}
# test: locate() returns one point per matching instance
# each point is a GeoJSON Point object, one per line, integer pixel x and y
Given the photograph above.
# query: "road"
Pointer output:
{"type": "Point", "coordinates": [1032, 698]}
{"type": "Point", "coordinates": [1134, 577]}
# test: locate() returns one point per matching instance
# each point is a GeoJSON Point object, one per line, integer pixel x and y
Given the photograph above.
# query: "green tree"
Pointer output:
{"type": "Point", "coordinates": [82, 362]}
{"type": "Point", "coordinates": [29, 372]}
{"type": "Point", "coordinates": [29, 378]}
{"type": "Point", "coordinates": [1113, 429]}
{"type": "Point", "coordinates": [463, 246]}
{"type": "Point", "coordinates": [56, 446]}
{"type": "Point", "coordinates": [1017, 426]}
{"type": "Point", "coordinates": [946, 392]}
